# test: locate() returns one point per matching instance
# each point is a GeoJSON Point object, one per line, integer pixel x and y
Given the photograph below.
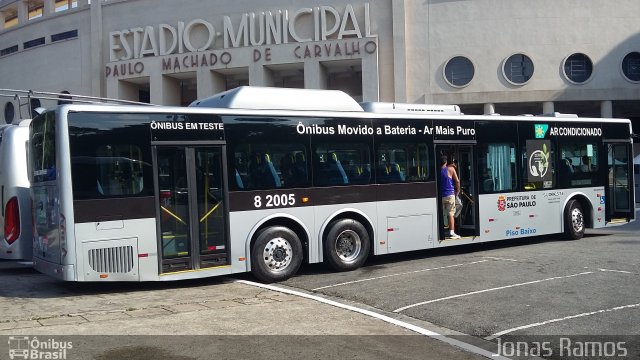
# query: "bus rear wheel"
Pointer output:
{"type": "Point", "coordinates": [346, 246]}
{"type": "Point", "coordinates": [574, 220]}
{"type": "Point", "coordinates": [276, 254]}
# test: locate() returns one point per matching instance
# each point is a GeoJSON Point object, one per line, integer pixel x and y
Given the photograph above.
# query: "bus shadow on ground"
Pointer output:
{"type": "Point", "coordinates": [26, 282]}
{"type": "Point", "coordinates": [381, 261]}
{"type": "Point", "coordinates": [22, 281]}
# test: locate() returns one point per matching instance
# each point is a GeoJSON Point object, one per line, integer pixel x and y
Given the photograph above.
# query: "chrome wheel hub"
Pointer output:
{"type": "Point", "coordinates": [348, 246]}
{"type": "Point", "coordinates": [577, 220]}
{"type": "Point", "coordinates": [277, 255]}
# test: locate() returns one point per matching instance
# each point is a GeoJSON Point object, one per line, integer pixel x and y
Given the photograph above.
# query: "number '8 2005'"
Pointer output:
{"type": "Point", "coordinates": [276, 200]}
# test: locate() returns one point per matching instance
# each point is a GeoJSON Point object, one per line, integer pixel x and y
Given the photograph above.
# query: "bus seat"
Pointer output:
{"type": "Point", "coordinates": [333, 172]}
{"type": "Point", "coordinates": [382, 172]}
{"type": "Point", "coordinates": [272, 178]}
{"type": "Point", "coordinates": [263, 174]}
{"type": "Point", "coordinates": [360, 174]}
{"type": "Point", "coordinates": [99, 187]}
{"type": "Point", "coordinates": [488, 185]}
{"type": "Point", "coordinates": [239, 181]}
{"type": "Point", "coordinates": [390, 173]}
{"type": "Point", "coordinates": [299, 170]}
{"type": "Point", "coordinates": [286, 168]}
{"type": "Point", "coordinates": [395, 173]}
{"type": "Point", "coordinates": [365, 175]}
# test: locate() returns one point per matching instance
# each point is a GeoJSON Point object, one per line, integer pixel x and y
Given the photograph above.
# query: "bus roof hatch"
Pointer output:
{"type": "Point", "coordinates": [271, 98]}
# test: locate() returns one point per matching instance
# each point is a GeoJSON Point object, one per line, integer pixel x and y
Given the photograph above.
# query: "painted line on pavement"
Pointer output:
{"type": "Point", "coordinates": [398, 274]}
{"type": "Point", "coordinates": [487, 290]}
{"type": "Point", "coordinates": [616, 271]}
{"type": "Point", "coordinates": [560, 319]}
{"type": "Point", "coordinates": [465, 346]}
{"type": "Point", "coordinates": [499, 258]}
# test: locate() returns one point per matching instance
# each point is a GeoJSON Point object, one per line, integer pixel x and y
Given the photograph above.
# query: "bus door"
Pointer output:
{"type": "Point", "coordinates": [466, 221]}
{"type": "Point", "coordinates": [619, 195]}
{"type": "Point", "coordinates": [191, 207]}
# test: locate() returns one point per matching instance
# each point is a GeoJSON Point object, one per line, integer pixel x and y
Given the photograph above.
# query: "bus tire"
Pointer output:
{"type": "Point", "coordinates": [574, 220]}
{"type": "Point", "coordinates": [346, 246]}
{"type": "Point", "coordinates": [276, 254]}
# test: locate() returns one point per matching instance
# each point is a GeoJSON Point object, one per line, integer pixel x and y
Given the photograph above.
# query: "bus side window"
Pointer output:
{"type": "Point", "coordinates": [338, 164]}
{"type": "Point", "coordinates": [120, 170]}
{"type": "Point", "coordinates": [579, 164]}
{"type": "Point", "coordinates": [402, 162]}
{"type": "Point", "coordinates": [497, 167]}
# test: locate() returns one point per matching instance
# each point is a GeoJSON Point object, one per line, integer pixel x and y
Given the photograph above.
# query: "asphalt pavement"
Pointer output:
{"type": "Point", "coordinates": [221, 317]}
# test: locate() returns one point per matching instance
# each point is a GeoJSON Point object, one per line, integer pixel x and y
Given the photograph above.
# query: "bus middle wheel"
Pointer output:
{"type": "Point", "coordinates": [346, 246]}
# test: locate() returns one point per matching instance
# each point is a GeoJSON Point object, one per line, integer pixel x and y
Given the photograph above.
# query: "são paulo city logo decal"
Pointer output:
{"type": "Point", "coordinates": [501, 203]}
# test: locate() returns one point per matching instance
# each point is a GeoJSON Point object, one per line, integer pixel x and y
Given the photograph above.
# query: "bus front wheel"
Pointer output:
{"type": "Point", "coordinates": [276, 254]}
{"type": "Point", "coordinates": [573, 220]}
{"type": "Point", "coordinates": [346, 246]}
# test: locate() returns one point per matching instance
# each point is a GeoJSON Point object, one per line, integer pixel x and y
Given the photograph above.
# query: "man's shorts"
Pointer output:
{"type": "Point", "coordinates": [449, 204]}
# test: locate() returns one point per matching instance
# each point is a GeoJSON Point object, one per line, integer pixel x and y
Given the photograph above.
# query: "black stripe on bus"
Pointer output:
{"type": "Point", "coordinates": [96, 210]}
{"type": "Point", "coordinates": [280, 198]}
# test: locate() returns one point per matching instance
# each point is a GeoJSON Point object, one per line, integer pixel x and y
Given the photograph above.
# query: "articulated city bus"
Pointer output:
{"type": "Point", "coordinates": [263, 180]}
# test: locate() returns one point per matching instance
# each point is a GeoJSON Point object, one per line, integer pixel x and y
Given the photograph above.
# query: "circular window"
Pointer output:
{"type": "Point", "coordinates": [631, 66]}
{"type": "Point", "coordinates": [577, 68]}
{"type": "Point", "coordinates": [9, 112]}
{"type": "Point", "coordinates": [517, 69]}
{"type": "Point", "coordinates": [458, 71]}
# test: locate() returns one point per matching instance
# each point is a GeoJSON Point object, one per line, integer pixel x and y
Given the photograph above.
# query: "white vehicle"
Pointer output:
{"type": "Point", "coordinates": [15, 198]}
{"type": "Point", "coordinates": [636, 172]}
{"type": "Point", "coordinates": [133, 193]}
{"type": "Point", "coordinates": [15, 219]}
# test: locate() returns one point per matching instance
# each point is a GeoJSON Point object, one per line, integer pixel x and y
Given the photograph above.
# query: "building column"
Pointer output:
{"type": "Point", "coordinates": [398, 13]}
{"type": "Point", "coordinates": [209, 83]}
{"type": "Point", "coordinates": [315, 75]}
{"type": "Point", "coordinates": [606, 109]}
{"type": "Point", "coordinates": [371, 78]}
{"type": "Point", "coordinates": [547, 107]}
{"type": "Point", "coordinates": [111, 90]}
{"type": "Point", "coordinates": [23, 12]}
{"type": "Point", "coordinates": [260, 75]}
{"type": "Point", "coordinates": [127, 91]}
{"type": "Point", "coordinates": [166, 90]}
{"type": "Point", "coordinates": [2, 21]}
{"type": "Point", "coordinates": [97, 65]}
{"type": "Point", "coordinates": [489, 108]}
{"type": "Point", "coordinates": [82, 3]}
{"type": "Point", "coordinates": [49, 7]}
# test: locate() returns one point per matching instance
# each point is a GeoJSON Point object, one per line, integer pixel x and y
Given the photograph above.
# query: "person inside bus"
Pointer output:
{"type": "Point", "coordinates": [585, 167]}
{"type": "Point", "coordinates": [449, 188]}
{"type": "Point", "coordinates": [568, 163]}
